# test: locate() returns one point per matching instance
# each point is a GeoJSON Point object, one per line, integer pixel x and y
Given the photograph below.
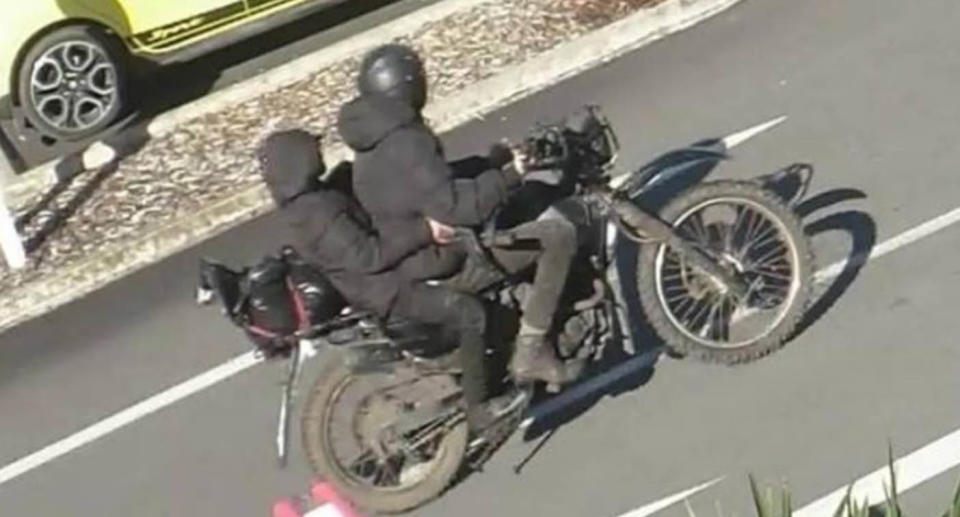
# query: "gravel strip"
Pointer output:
{"type": "Point", "coordinates": [210, 158]}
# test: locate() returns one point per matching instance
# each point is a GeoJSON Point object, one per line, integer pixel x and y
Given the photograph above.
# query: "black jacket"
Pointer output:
{"type": "Point", "coordinates": [401, 177]}
{"type": "Point", "coordinates": [333, 232]}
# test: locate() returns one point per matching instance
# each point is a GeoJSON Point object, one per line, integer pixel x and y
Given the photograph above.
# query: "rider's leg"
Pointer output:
{"type": "Point", "coordinates": [553, 253]}
{"type": "Point", "coordinates": [463, 316]}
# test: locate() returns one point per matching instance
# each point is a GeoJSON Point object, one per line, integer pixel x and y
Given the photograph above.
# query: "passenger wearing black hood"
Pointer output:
{"type": "Point", "coordinates": [334, 233]}
{"type": "Point", "coordinates": [403, 177]}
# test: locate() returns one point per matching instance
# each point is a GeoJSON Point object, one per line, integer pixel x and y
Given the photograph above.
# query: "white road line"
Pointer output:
{"type": "Point", "coordinates": [10, 244]}
{"type": "Point", "coordinates": [128, 416]}
{"type": "Point", "coordinates": [729, 142]}
{"type": "Point", "coordinates": [740, 137]}
{"type": "Point", "coordinates": [919, 466]}
{"type": "Point", "coordinates": [894, 243]}
{"type": "Point", "coordinates": [667, 502]}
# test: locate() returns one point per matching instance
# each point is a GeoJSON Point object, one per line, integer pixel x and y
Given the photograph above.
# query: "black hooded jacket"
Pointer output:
{"type": "Point", "coordinates": [401, 177]}
{"type": "Point", "coordinates": [331, 230]}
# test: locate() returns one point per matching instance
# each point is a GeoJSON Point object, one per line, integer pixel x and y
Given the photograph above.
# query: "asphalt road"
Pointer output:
{"type": "Point", "coordinates": [869, 88]}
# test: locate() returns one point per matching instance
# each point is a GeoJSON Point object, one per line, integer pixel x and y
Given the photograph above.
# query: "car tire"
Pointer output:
{"type": "Point", "coordinates": [73, 82]}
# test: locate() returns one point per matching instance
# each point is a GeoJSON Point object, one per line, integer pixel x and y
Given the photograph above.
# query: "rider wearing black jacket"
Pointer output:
{"type": "Point", "coordinates": [333, 232]}
{"type": "Point", "coordinates": [402, 177]}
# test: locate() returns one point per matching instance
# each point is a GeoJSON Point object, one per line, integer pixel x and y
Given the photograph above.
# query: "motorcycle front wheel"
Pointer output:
{"type": "Point", "coordinates": [751, 233]}
{"type": "Point", "coordinates": [350, 439]}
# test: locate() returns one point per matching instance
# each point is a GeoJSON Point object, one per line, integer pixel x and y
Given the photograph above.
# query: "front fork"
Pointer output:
{"type": "Point", "coordinates": [658, 231]}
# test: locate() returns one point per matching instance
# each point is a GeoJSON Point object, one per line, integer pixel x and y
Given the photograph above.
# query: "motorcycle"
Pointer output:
{"type": "Point", "coordinates": [723, 275]}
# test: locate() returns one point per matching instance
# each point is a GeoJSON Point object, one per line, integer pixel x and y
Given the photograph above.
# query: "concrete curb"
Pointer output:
{"type": "Point", "coordinates": [555, 65]}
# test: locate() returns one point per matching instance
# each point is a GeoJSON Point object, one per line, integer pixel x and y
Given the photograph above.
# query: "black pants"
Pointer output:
{"type": "Point", "coordinates": [461, 315]}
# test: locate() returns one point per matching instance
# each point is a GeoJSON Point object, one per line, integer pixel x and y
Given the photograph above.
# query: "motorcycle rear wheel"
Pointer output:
{"type": "Point", "coordinates": [765, 244]}
{"type": "Point", "coordinates": [416, 485]}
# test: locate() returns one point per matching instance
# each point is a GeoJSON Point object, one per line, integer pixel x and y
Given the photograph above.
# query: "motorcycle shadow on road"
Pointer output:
{"type": "Point", "coordinates": [621, 372]}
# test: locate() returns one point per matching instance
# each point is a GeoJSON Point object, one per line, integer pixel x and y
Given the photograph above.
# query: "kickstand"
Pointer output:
{"type": "Point", "coordinates": [543, 441]}
{"type": "Point", "coordinates": [297, 356]}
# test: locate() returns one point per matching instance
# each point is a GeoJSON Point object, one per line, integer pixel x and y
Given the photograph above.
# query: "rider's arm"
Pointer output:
{"type": "Point", "coordinates": [458, 202]}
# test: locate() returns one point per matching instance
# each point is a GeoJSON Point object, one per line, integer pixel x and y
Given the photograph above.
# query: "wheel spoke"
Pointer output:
{"type": "Point", "coordinates": [757, 230]}
{"type": "Point", "coordinates": [360, 460]}
{"type": "Point", "coordinates": [708, 323]}
{"type": "Point", "coordinates": [746, 237]}
{"type": "Point", "coordinates": [676, 298]}
{"type": "Point", "coordinates": [774, 274]}
{"type": "Point", "coordinates": [761, 240]}
{"type": "Point", "coordinates": [702, 308]}
{"type": "Point", "coordinates": [85, 108]}
{"type": "Point", "coordinates": [47, 75]}
{"type": "Point", "coordinates": [685, 307]}
{"type": "Point", "coordinates": [101, 80]}
{"type": "Point", "coordinates": [780, 249]}
{"type": "Point", "coordinates": [83, 80]}
{"type": "Point", "coordinates": [54, 107]}
{"type": "Point", "coordinates": [78, 57]}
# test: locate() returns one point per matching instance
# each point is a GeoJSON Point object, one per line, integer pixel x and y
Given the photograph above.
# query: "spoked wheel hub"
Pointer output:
{"type": "Point", "coordinates": [748, 242]}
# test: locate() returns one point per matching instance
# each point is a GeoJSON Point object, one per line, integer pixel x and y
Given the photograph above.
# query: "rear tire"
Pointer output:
{"type": "Point", "coordinates": [664, 324]}
{"type": "Point", "coordinates": [334, 375]}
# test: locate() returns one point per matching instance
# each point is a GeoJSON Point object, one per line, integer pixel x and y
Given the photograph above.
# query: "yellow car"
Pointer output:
{"type": "Point", "coordinates": [64, 64]}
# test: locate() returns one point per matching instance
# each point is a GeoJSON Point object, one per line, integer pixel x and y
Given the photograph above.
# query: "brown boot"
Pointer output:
{"type": "Point", "coordinates": [534, 360]}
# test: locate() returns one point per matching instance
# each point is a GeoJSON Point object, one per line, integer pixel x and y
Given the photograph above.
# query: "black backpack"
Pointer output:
{"type": "Point", "coordinates": [274, 299]}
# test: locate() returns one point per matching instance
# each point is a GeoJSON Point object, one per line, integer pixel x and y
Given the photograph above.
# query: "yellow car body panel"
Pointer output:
{"type": "Point", "coordinates": [19, 24]}
{"type": "Point", "coordinates": [144, 15]}
{"type": "Point", "coordinates": [150, 27]}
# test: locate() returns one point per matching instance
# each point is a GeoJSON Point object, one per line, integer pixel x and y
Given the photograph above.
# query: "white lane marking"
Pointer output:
{"type": "Point", "coordinates": [919, 466]}
{"type": "Point", "coordinates": [730, 141]}
{"type": "Point", "coordinates": [742, 136]}
{"type": "Point", "coordinates": [128, 416]}
{"type": "Point", "coordinates": [658, 506]}
{"type": "Point", "coordinates": [894, 243]}
{"type": "Point", "coordinates": [11, 246]}
{"type": "Point", "coordinates": [10, 243]}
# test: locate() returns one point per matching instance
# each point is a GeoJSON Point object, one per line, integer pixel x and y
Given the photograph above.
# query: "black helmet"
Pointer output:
{"type": "Point", "coordinates": [395, 71]}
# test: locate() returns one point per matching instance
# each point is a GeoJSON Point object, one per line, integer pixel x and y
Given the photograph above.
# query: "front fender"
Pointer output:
{"type": "Point", "coordinates": [693, 163]}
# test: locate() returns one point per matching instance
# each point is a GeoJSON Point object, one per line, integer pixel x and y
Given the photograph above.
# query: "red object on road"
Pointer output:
{"type": "Point", "coordinates": [328, 504]}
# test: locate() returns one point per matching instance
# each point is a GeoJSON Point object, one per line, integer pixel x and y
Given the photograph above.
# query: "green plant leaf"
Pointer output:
{"type": "Point", "coordinates": [893, 499]}
{"type": "Point", "coordinates": [758, 502]}
{"type": "Point", "coordinates": [845, 503]}
{"type": "Point", "coordinates": [955, 508]}
{"type": "Point", "coordinates": [786, 508]}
